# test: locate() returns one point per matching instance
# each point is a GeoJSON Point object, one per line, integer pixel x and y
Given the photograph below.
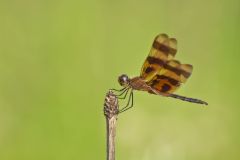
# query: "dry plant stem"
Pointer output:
{"type": "Point", "coordinates": [111, 112]}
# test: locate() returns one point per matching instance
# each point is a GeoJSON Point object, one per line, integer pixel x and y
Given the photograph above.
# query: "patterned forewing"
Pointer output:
{"type": "Point", "coordinates": [170, 77]}
{"type": "Point", "coordinates": [163, 49]}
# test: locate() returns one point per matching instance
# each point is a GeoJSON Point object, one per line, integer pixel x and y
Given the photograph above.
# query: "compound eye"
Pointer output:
{"type": "Point", "coordinates": [123, 80]}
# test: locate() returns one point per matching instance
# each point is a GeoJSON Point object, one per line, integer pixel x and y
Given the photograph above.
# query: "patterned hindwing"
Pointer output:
{"type": "Point", "coordinates": [163, 49]}
{"type": "Point", "coordinates": [168, 79]}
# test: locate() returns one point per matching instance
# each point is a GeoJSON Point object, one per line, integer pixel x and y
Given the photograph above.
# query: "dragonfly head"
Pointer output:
{"type": "Point", "coordinates": [123, 80]}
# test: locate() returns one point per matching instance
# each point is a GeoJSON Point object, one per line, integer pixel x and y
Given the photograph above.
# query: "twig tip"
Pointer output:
{"type": "Point", "coordinates": [111, 104]}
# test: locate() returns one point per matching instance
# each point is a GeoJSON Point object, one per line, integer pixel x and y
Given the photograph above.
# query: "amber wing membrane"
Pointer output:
{"type": "Point", "coordinates": [170, 77]}
{"type": "Point", "coordinates": [163, 49]}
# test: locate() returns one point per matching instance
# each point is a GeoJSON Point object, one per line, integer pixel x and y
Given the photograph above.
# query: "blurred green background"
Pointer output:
{"type": "Point", "coordinates": [59, 58]}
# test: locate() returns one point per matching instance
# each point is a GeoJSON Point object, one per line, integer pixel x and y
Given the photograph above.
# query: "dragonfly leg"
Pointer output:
{"type": "Point", "coordinates": [118, 90]}
{"type": "Point", "coordinates": [125, 94]}
{"type": "Point", "coordinates": [127, 107]}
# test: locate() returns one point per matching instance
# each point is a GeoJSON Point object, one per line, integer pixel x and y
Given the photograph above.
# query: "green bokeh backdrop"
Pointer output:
{"type": "Point", "coordinates": [58, 58]}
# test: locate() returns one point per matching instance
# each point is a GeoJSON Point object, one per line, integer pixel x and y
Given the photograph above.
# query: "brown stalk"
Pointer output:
{"type": "Point", "coordinates": [111, 111]}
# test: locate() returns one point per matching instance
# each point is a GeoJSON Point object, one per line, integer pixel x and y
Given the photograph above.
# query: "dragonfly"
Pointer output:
{"type": "Point", "coordinates": [161, 74]}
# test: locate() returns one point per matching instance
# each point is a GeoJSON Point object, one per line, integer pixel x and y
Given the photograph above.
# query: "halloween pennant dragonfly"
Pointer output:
{"type": "Point", "coordinates": [161, 74]}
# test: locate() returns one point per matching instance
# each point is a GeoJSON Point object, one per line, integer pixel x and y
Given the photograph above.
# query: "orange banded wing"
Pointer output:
{"type": "Point", "coordinates": [168, 79]}
{"type": "Point", "coordinates": [163, 49]}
